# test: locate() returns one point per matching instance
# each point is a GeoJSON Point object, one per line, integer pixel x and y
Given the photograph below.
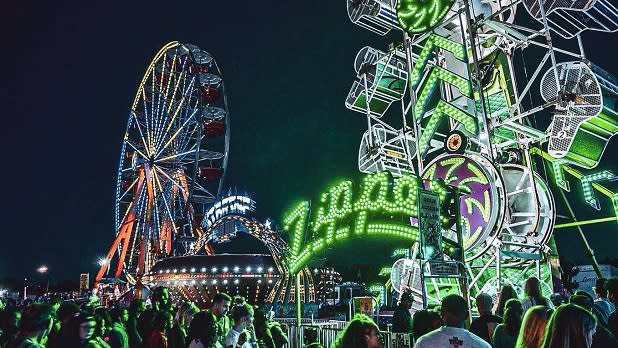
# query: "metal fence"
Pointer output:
{"type": "Point", "coordinates": [327, 331]}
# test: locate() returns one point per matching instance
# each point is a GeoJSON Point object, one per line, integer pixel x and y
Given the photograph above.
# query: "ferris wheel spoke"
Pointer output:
{"type": "Point", "coordinates": [136, 149]}
{"type": "Point", "coordinates": [185, 123]}
{"type": "Point", "coordinates": [159, 119]}
{"type": "Point", "coordinates": [128, 189]}
{"type": "Point", "coordinates": [148, 111]}
{"type": "Point", "coordinates": [139, 128]}
{"type": "Point", "coordinates": [166, 205]}
{"type": "Point", "coordinates": [171, 157]}
{"type": "Point", "coordinates": [200, 188]}
{"type": "Point", "coordinates": [185, 90]}
{"type": "Point", "coordinates": [185, 137]}
{"type": "Point", "coordinates": [174, 182]}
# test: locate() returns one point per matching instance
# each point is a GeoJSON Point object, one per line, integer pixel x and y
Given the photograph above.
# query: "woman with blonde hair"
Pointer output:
{"type": "Point", "coordinates": [532, 328]}
{"type": "Point", "coordinates": [570, 326]}
{"type": "Point", "coordinates": [361, 332]}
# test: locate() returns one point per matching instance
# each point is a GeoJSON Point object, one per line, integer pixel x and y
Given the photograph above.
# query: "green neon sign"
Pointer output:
{"type": "Point", "coordinates": [376, 208]}
{"type": "Point", "coordinates": [419, 16]}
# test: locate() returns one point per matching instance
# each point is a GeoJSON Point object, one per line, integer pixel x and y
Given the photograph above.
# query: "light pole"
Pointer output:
{"type": "Point", "coordinates": [43, 270]}
{"type": "Point", "coordinates": [25, 289]}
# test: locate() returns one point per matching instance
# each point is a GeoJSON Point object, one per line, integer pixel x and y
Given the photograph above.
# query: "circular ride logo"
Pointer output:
{"type": "Point", "coordinates": [479, 183]}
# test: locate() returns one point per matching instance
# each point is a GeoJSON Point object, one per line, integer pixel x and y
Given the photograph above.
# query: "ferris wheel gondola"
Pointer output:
{"type": "Point", "coordinates": [173, 158]}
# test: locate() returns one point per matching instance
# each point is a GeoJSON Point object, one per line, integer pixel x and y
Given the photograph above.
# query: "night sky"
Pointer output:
{"type": "Point", "coordinates": [69, 73]}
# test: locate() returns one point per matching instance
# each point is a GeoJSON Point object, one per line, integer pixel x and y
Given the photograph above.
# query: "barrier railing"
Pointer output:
{"type": "Point", "coordinates": [327, 331]}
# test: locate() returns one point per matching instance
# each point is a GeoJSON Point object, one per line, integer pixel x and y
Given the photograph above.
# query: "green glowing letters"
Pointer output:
{"type": "Point", "coordinates": [377, 208]}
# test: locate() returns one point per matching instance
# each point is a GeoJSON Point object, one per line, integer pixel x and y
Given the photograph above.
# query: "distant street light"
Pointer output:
{"type": "Point", "coordinates": [43, 270]}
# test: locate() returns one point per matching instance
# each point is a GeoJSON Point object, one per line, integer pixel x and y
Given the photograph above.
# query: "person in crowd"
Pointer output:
{"type": "Point", "coordinates": [55, 302]}
{"type": "Point", "coordinates": [136, 308]}
{"type": "Point", "coordinates": [220, 307]}
{"type": "Point", "coordinates": [603, 306]}
{"type": "Point", "coordinates": [240, 333]}
{"type": "Point", "coordinates": [117, 336]}
{"type": "Point", "coordinates": [203, 331]}
{"type": "Point", "coordinates": [101, 315]}
{"type": "Point", "coordinates": [454, 312]}
{"type": "Point", "coordinates": [161, 325]}
{"type": "Point", "coordinates": [402, 318]}
{"type": "Point", "coordinates": [602, 337]}
{"type": "Point", "coordinates": [262, 331]}
{"type": "Point", "coordinates": [506, 293]}
{"type": "Point", "coordinates": [505, 335]}
{"type": "Point", "coordinates": [9, 325]}
{"type": "Point", "coordinates": [80, 332]}
{"type": "Point", "coordinates": [178, 334]}
{"type": "Point", "coordinates": [612, 295]}
{"type": "Point", "coordinates": [533, 296]}
{"type": "Point", "coordinates": [425, 321]}
{"type": "Point", "coordinates": [486, 323]}
{"type": "Point", "coordinates": [360, 332]}
{"type": "Point", "coordinates": [570, 326]}
{"type": "Point", "coordinates": [533, 327]}
{"type": "Point", "coordinates": [161, 300]}
{"type": "Point", "coordinates": [268, 332]}
{"type": "Point", "coordinates": [36, 323]}
{"type": "Point", "coordinates": [59, 332]}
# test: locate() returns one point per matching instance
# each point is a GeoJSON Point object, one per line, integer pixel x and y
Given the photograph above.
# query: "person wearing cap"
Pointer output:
{"type": "Point", "coordinates": [454, 312]}
{"type": "Point", "coordinates": [402, 318]}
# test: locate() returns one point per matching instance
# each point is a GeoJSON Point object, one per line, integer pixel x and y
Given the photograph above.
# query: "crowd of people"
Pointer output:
{"type": "Point", "coordinates": [529, 322]}
{"type": "Point", "coordinates": [161, 324]}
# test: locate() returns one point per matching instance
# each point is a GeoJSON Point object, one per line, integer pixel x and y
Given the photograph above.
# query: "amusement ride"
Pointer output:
{"type": "Point", "coordinates": [460, 98]}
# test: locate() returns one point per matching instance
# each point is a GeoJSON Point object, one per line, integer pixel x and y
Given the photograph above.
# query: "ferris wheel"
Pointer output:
{"type": "Point", "coordinates": [173, 158]}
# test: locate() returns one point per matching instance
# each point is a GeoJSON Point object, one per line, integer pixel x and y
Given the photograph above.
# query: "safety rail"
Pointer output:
{"type": "Point", "coordinates": [327, 331]}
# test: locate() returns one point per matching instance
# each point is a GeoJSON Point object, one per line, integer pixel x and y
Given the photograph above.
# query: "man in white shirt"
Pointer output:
{"type": "Point", "coordinates": [452, 335]}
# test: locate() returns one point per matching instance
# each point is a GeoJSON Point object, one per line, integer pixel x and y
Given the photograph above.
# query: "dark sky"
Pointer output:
{"type": "Point", "coordinates": [69, 72]}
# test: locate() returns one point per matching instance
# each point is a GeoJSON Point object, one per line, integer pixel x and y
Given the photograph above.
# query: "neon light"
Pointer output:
{"type": "Point", "coordinates": [401, 252]}
{"type": "Point", "coordinates": [587, 222]}
{"type": "Point", "coordinates": [437, 74]}
{"type": "Point", "coordinates": [559, 174]}
{"type": "Point", "coordinates": [417, 17]}
{"type": "Point", "coordinates": [476, 208]}
{"type": "Point", "coordinates": [587, 181]}
{"type": "Point", "coordinates": [385, 271]}
{"type": "Point", "coordinates": [229, 205]}
{"type": "Point", "coordinates": [378, 208]}
{"type": "Point", "coordinates": [297, 218]}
